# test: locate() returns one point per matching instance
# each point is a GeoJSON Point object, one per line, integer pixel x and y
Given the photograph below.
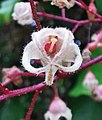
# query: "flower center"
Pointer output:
{"type": "Point", "coordinates": [51, 46]}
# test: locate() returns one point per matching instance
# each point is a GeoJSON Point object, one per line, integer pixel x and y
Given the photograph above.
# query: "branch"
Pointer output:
{"type": "Point", "coordinates": [42, 85]}
{"type": "Point", "coordinates": [91, 62]}
{"type": "Point", "coordinates": [67, 19]}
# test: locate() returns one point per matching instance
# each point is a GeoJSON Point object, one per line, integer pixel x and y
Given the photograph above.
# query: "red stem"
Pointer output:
{"type": "Point", "coordinates": [55, 90]}
{"type": "Point", "coordinates": [75, 28]}
{"type": "Point", "coordinates": [91, 62]}
{"type": "Point", "coordinates": [67, 19]}
{"type": "Point", "coordinates": [87, 8]}
{"type": "Point", "coordinates": [30, 110]}
{"type": "Point", "coordinates": [21, 74]}
{"type": "Point", "coordinates": [35, 15]}
{"type": "Point", "coordinates": [42, 85]}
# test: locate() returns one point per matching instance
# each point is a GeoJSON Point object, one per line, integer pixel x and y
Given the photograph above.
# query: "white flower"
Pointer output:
{"type": "Point", "coordinates": [63, 3]}
{"type": "Point", "coordinates": [58, 109]}
{"type": "Point", "coordinates": [22, 13]}
{"type": "Point", "coordinates": [90, 81]}
{"type": "Point", "coordinates": [55, 49]}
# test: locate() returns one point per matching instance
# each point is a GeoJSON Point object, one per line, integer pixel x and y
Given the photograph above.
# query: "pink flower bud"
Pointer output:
{"type": "Point", "coordinates": [97, 93]}
{"type": "Point", "coordinates": [58, 109]}
{"type": "Point", "coordinates": [90, 81]}
{"type": "Point", "coordinates": [92, 46]}
{"type": "Point", "coordinates": [97, 38]}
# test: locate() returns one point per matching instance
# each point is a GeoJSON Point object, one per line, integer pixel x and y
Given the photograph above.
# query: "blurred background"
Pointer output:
{"type": "Point", "coordinates": [13, 39]}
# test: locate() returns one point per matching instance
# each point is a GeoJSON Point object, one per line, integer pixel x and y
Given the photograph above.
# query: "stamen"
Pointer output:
{"type": "Point", "coordinates": [50, 47]}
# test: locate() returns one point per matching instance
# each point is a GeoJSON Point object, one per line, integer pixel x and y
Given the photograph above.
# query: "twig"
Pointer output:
{"type": "Point", "coordinates": [28, 115]}
{"type": "Point", "coordinates": [35, 15]}
{"type": "Point", "coordinates": [87, 9]}
{"type": "Point", "coordinates": [55, 90]}
{"type": "Point", "coordinates": [63, 12]}
{"type": "Point", "coordinates": [75, 27]}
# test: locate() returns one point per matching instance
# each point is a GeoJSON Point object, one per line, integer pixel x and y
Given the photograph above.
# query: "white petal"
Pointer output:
{"type": "Point", "coordinates": [68, 38]}
{"type": "Point", "coordinates": [77, 61]}
{"type": "Point", "coordinates": [31, 52]}
{"type": "Point", "coordinates": [67, 114]}
{"type": "Point", "coordinates": [49, 74]}
{"type": "Point", "coordinates": [66, 32]}
{"type": "Point", "coordinates": [40, 47]}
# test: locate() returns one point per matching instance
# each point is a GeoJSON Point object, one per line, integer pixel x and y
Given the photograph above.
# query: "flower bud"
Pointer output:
{"type": "Point", "coordinates": [22, 13]}
{"type": "Point", "coordinates": [63, 3]}
{"type": "Point", "coordinates": [57, 110]}
{"type": "Point", "coordinates": [97, 93]}
{"type": "Point", "coordinates": [90, 81]}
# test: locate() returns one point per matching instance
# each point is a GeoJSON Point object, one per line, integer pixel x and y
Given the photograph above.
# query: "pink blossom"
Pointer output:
{"type": "Point", "coordinates": [97, 92]}
{"type": "Point", "coordinates": [90, 81]}
{"type": "Point", "coordinates": [58, 109]}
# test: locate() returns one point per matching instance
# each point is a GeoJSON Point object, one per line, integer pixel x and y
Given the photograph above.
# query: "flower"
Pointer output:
{"type": "Point", "coordinates": [97, 93]}
{"type": "Point", "coordinates": [55, 49]}
{"type": "Point", "coordinates": [22, 13]}
{"type": "Point", "coordinates": [97, 37]}
{"type": "Point", "coordinates": [57, 110]}
{"type": "Point", "coordinates": [90, 81]}
{"type": "Point", "coordinates": [96, 41]}
{"type": "Point", "coordinates": [63, 3]}
{"type": "Point", "coordinates": [10, 75]}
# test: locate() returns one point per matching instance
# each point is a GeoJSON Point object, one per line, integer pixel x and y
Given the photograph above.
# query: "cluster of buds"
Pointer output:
{"type": "Point", "coordinates": [58, 110]}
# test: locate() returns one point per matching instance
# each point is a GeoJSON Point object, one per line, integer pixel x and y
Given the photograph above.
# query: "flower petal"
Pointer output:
{"type": "Point", "coordinates": [31, 52]}
{"type": "Point", "coordinates": [77, 61]}
{"type": "Point", "coordinates": [68, 38]}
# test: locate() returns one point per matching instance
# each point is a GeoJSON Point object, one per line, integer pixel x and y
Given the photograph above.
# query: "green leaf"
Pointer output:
{"type": "Point", "coordinates": [99, 6]}
{"type": "Point", "coordinates": [6, 10]}
{"type": "Point", "coordinates": [79, 89]}
{"type": "Point", "coordinates": [13, 109]}
{"type": "Point", "coordinates": [84, 108]}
